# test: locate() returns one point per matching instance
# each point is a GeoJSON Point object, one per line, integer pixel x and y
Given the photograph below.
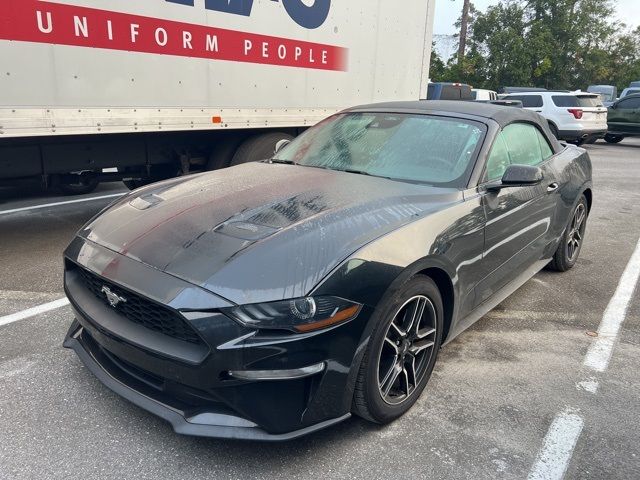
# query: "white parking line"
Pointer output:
{"type": "Point", "coordinates": [30, 312]}
{"type": "Point", "coordinates": [555, 454]}
{"type": "Point", "coordinates": [600, 351]}
{"type": "Point", "coordinates": [66, 202]}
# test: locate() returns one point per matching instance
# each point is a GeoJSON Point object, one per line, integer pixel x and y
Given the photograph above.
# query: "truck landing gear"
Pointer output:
{"type": "Point", "coordinates": [81, 188]}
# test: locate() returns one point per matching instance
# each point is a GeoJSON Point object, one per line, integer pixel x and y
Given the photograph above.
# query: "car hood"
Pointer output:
{"type": "Point", "coordinates": [259, 232]}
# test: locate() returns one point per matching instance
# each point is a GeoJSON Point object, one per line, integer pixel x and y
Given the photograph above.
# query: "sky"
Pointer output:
{"type": "Point", "coordinates": [448, 11]}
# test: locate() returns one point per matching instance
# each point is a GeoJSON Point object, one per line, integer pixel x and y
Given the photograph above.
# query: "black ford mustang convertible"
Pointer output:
{"type": "Point", "coordinates": [275, 298]}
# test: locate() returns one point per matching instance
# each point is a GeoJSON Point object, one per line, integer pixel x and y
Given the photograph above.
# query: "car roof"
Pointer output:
{"type": "Point", "coordinates": [631, 95]}
{"type": "Point", "coordinates": [500, 114]}
{"type": "Point", "coordinates": [548, 93]}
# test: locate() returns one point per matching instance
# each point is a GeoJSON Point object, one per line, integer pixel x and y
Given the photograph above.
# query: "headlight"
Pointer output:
{"type": "Point", "coordinates": [299, 314]}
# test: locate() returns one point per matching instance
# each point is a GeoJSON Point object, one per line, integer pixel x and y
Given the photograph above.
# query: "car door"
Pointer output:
{"type": "Point", "coordinates": [625, 117]}
{"type": "Point", "coordinates": [519, 219]}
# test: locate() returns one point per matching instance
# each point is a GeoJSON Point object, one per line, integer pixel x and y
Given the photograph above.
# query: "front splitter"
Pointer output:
{"type": "Point", "coordinates": [177, 420]}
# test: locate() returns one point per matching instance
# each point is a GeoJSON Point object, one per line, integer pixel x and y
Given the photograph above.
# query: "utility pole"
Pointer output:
{"type": "Point", "coordinates": [464, 25]}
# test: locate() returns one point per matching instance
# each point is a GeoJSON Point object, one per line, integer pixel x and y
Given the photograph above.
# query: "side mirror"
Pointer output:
{"type": "Point", "coordinates": [281, 144]}
{"type": "Point", "coordinates": [518, 176]}
{"type": "Point", "coordinates": [613, 106]}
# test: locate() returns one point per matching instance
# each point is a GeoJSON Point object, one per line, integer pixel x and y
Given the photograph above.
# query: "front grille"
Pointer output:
{"type": "Point", "coordinates": [139, 310]}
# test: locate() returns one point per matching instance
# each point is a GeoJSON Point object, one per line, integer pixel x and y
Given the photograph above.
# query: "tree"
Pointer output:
{"type": "Point", "coordinates": [562, 44]}
{"type": "Point", "coordinates": [437, 68]}
{"type": "Point", "coordinates": [464, 25]}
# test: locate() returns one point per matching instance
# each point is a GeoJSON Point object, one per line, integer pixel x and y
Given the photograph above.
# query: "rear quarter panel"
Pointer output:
{"type": "Point", "coordinates": [573, 171]}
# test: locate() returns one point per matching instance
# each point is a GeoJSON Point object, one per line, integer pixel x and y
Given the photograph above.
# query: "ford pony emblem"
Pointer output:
{"type": "Point", "coordinates": [113, 298]}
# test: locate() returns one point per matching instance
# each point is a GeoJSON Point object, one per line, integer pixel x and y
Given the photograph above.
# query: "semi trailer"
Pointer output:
{"type": "Point", "coordinates": [113, 90]}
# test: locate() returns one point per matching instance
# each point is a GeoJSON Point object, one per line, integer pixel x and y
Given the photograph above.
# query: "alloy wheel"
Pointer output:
{"type": "Point", "coordinates": [406, 350]}
{"type": "Point", "coordinates": [576, 231]}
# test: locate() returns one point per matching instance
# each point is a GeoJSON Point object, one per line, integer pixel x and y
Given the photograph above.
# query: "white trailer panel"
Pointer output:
{"type": "Point", "coordinates": [117, 66]}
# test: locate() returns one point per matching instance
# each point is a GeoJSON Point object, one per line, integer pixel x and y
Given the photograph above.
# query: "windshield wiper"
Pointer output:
{"type": "Point", "coordinates": [284, 162]}
{"type": "Point", "coordinates": [357, 172]}
{"type": "Point", "coordinates": [363, 172]}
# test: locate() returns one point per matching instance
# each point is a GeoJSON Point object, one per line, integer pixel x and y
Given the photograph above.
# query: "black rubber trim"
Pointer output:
{"type": "Point", "coordinates": [580, 133]}
{"type": "Point", "coordinates": [175, 417]}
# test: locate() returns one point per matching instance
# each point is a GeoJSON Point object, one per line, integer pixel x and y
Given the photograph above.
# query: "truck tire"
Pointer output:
{"type": "Point", "coordinates": [258, 147]}
{"type": "Point", "coordinates": [223, 152]}
{"type": "Point", "coordinates": [86, 186]}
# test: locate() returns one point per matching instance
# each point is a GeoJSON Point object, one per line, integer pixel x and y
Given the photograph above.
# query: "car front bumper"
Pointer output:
{"type": "Point", "coordinates": [212, 422]}
{"type": "Point", "coordinates": [237, 383]}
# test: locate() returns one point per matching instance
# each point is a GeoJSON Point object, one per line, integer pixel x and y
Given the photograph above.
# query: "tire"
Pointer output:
{"type": "Point", "coordinates": [554, 130]}
{"type": "Point", "coordinates": [591, 140]}
{"type": "Point", "coordinates": [222, 155]}
{"type": "Point", "coordinates": [613, 138]}
{"type": "Point", "coordinates": [83, 188]}
{"type": "Point", "coordinates": [259, 147]}
{"type": "Point", "coordinates": [382, 359]}
{"type": "Point", "coordinates": [568, 251]}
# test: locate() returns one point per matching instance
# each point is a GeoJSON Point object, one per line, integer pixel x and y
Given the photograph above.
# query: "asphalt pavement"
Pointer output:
{"type": "Point", "coordinates": [510, 398]}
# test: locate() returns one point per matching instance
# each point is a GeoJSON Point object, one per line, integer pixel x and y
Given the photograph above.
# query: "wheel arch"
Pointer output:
{"type": "Point", "coordinates": [589, 196]}
{"type": "Point", "coordinates": [445, 286]}
{"type": "Point", "coordinates": [441, 272]}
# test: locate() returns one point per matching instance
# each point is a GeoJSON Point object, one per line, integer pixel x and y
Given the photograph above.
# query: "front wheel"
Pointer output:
{"type": "Point", "coordinates": [568, 251]}
{"type": "Point", "coordinates": [609, 138]}
{"type": "Point", "coordinates": [402, 351]}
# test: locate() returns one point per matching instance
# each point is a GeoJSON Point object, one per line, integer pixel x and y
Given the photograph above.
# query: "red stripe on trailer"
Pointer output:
{"type": "Point", "coordinates": [54, 23]}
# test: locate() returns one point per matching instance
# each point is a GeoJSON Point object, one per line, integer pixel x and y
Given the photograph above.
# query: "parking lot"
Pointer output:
{"type": "Point", "coordinates": [511, 397]}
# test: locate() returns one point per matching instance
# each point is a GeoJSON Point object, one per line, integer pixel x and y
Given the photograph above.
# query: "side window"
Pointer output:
{"type": "Point", "coordinates": [523, 144]}
{"type": "Point", "coordinates": [517, 144]}
{"type": "Point", "coordinates": [498, 160]}
{"type": "Point", "coordinates": [545, 148]}
{"type": "Point", "coordinates": [528, 101]}
{"type": "Point", "coordinates": [629, 104]}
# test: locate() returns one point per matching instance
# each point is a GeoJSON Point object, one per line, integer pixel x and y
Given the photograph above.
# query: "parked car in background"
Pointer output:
{"type": "Point", "coordinates": [634, 85]}
{"type": "Point", "coordinates": [624, 119]}
{"type": "Point", "coordinates": [509, 90]}
{"type": "Point", "coordinates": [609, 93]}
{"type": "Point", "coordinates": [481, 94]}
{"type": "Point", "coordinates": [449, 91]}
{"type": "Point", "coordinates": [629, 91]}
{"type": "Point", "coordinates": [572, 117]}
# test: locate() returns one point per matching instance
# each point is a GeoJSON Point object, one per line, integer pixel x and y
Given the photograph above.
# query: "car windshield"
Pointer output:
{"type": "Point", "coordinates": [407, 147]}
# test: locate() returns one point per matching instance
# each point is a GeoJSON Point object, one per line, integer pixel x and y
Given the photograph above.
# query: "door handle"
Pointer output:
{"type": "Point", "coordinates": [552, 187]}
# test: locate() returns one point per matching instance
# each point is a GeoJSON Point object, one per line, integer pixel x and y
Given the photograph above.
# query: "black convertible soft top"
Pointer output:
{"type": "Point", "coordinates": [502, 115]}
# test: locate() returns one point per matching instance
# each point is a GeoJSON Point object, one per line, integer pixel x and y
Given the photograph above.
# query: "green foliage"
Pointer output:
{"type": "Point", "coordinates": [562, 44]}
